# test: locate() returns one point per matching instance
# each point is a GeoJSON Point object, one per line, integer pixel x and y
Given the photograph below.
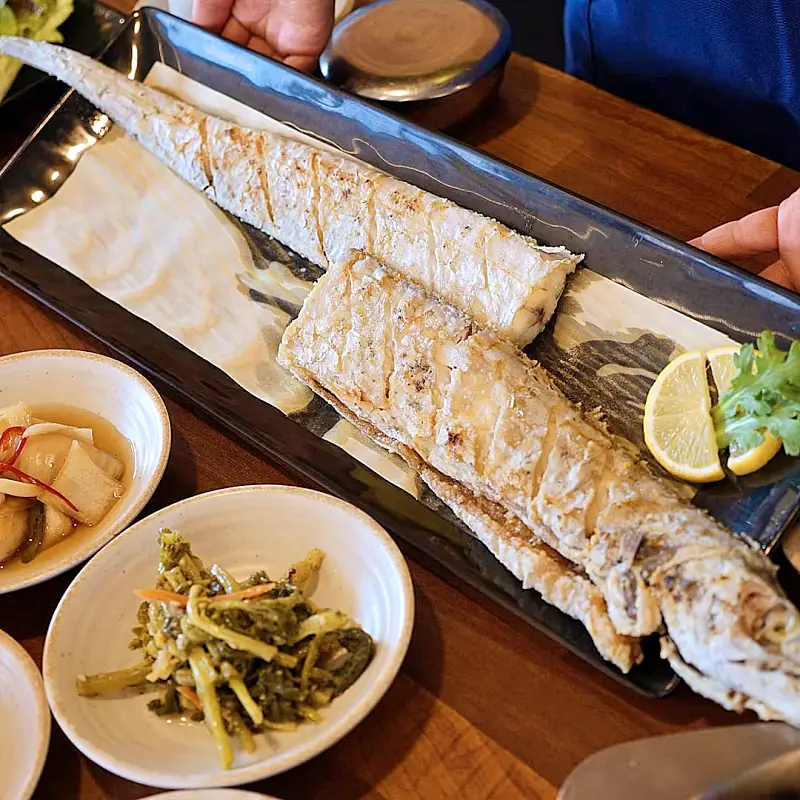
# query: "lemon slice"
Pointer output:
{"type": "Point", "coordinates": [677, 421]}
{"type": "Point", "coordinates": [720, 359]}
{"type": "Point", "coordinates": [740, 462]}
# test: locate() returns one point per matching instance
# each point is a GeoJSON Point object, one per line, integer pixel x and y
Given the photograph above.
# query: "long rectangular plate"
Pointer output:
{"type": "Point", "coordinates": [645, 261]}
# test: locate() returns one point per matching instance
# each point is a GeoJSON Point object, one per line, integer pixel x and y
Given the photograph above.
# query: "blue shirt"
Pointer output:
{"type": "Point", "coordinates": [728, 67]}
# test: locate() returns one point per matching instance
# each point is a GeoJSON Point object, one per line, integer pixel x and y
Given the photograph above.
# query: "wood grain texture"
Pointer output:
{"type": "Point", "coordinates": [484, 707]}
{"type": "Point", "coordinates": [653, 169]}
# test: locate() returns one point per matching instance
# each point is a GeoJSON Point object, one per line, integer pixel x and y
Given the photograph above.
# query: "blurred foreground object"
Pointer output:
{"type": "Point", "coordinates": [678, 765]}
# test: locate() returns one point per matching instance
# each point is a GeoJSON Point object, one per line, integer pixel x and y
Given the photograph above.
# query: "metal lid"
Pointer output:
{"type": "Point", "coordinates": [411, 50]}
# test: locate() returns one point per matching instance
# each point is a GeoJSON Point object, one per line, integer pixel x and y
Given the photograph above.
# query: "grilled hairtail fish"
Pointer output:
{"type": "Point", "coordinates": [322, 206]}
{"type": "Point", "coordinates": [536, 565]}
{"type": "Point", "coordinates": [480, 413]}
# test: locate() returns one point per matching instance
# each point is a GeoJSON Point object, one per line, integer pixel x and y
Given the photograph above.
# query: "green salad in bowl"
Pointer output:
{"type": "Point", "coordinates": [33, 19]}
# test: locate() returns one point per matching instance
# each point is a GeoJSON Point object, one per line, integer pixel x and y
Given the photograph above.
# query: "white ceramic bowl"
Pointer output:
{"type": "Point", "coordinates": [244, 529]}
{"type": "Point", "coordinates": [122, 397]}
{"type": "Point", "coordinates": [24, 722]}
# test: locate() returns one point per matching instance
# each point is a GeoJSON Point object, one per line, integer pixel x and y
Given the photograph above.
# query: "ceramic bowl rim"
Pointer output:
{"type": "Point", "coordinates": [44, 722]}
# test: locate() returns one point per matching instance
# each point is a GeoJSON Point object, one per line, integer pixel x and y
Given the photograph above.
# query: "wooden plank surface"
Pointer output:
{"type": "Point", "coordinates": [484, 707]}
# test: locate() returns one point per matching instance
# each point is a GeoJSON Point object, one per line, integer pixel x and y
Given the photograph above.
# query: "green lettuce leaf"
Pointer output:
{"type": "Point", "coordinates": [764, 396]}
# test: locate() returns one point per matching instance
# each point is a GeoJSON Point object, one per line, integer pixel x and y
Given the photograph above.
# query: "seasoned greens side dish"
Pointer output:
{"type": "Point", "coordinates": [245, 657]}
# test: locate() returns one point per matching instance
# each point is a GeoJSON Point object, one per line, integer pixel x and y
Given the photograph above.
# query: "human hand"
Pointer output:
{"type": "Point", "coordinates": [292, 31]}
{"type": "Point", "coordinates": [771, 230]}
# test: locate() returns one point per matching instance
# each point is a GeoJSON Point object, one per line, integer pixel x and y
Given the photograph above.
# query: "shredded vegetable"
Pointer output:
{"type": "Point", "coordinates": [35, 533]}
{"type": "Point", "coordinates": [5, 466]}
{"type": "Point", "coordinates": [45, 428]}
{"type": "Point", "coordinates": [18, 488]}
{"type": "Point", "coordinates": [58, 466]}
{"type": "Point", "coordinates": [246, 657]}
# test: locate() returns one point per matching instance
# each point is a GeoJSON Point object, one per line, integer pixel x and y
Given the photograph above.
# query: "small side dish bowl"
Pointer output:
{"type": "Point", "coordinates": [243, 529]}
{"type": "Point", "coordinates": [122, 397]}
{"type": "Point", "coordinates": [25, 729]}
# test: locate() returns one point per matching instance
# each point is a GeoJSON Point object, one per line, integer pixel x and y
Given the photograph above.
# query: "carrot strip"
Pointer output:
{"type": "Point", "coordinates": [161, 596]}
{"type": "Point", "coordinates": [164, 596]}
{"type": "Point", "coordinates": [191, 696]}
{"type": "Point", "coordinates": [244, 594]}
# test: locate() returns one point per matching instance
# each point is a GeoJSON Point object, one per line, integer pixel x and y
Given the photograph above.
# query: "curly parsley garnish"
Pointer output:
{"type": "Point", "coordinates": [764, 396]}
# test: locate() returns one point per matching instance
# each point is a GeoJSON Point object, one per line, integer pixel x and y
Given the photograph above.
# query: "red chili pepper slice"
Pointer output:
{"type": "Point", "coordinates": [11, 438]}
{"type": "Point", "coordinates": [5, 466]}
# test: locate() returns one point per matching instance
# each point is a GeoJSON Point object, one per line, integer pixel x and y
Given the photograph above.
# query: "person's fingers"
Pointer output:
{"type": "Point", "coordinates": [789, 238]}
{"type": "Point", "coordinates": [756, 233]}
{"type": "Point", "coordinates": [300, 28]}
{"type": "Point", "coordinates": [211, 14]}
{"type": "Point", "coordinates": [236, 32]}
{"type": "Point", "coordinates": [258, 45]}
{"type": "Point", "coordinates": [778, 273]}
{"type": "Point", "coordinates": [303, 63]}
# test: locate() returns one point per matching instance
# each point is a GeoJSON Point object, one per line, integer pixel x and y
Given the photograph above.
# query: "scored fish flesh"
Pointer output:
{"type": "Point", "coordinates": [532, 562]}
{"type": "Point", "coordinates": [322, 205]}
{"type": "Point", "coordinates": [477, 411]}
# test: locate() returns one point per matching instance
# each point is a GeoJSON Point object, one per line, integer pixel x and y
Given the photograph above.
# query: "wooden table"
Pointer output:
{"type": "Point", "coordinates": [484, 707]}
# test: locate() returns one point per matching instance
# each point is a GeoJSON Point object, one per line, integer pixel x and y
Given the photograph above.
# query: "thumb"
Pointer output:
{"type": "Point", "coordinates": [300, 28]}
{"type": "Point", "coordinates": [789, 238]}
{"type": "Point", "coordinates": [779, 273]}
{"type": "Point", "coordinates": [211, 14]}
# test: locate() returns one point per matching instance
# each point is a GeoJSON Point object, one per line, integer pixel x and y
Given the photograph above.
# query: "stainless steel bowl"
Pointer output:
{"type": "Point", "coordinates": [436, 61]}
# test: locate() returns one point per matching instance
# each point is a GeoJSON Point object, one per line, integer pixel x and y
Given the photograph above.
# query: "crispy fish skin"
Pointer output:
{"type": "Point", "coordinates": [532, 562]}
{"type": "Point", "coordinates": [537, 566]}
{"type": "Point", "coordinates": [478, 411]}
{"type": "Point", "coordinates": [322, 206]}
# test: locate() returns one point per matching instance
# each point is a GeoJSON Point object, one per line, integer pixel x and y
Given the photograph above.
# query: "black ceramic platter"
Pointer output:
{"type": "Point", "coordinates": [646, 262]}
